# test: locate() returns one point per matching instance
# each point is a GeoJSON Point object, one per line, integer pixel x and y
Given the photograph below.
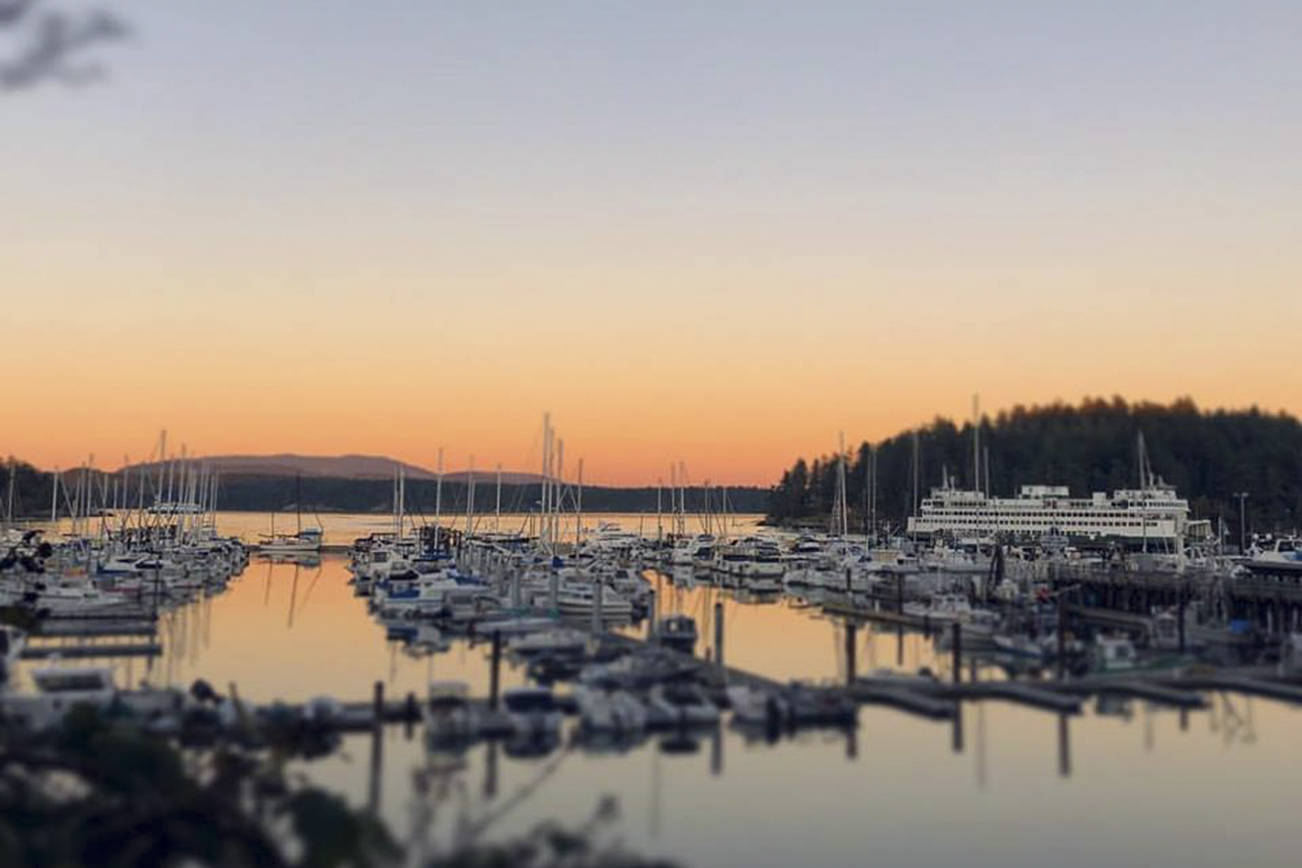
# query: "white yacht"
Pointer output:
{"type": "Point", "coordinates": [1281, 555]}
{"type": "Point", "coordinates": [580, 598]}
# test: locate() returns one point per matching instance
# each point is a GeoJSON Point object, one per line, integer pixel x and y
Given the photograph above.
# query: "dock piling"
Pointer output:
{"type": "Point", "coordinates": [850, 631]}
{"type": "Point", "coordinates": [718, 636]}
{"type": "Point", "coordinates": [651, 616]}
{"type": "Point", "coordinates": [1064, 748]}
{"type": "Point", "coordinates": [1062, 635]}
{"type": "Point", "coordinates": [956, 636]}
{"type": "Point", "coordinates": [495, 672]}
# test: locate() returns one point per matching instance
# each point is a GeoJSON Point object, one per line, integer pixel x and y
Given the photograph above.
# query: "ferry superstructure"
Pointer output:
{"type": "Point", "coordinates": [1155, 514]}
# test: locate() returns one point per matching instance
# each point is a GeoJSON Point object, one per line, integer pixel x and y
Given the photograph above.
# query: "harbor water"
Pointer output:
{"type": "Point", "coordinates": [1125, 785]}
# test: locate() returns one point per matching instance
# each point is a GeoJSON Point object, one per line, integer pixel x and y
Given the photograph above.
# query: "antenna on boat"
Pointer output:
{"type": "Point", "coordinates": [976, 442]}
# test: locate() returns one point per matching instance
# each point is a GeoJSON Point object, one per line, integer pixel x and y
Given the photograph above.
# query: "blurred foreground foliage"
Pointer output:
{"type": "Point", "coordinates": [100, 791]}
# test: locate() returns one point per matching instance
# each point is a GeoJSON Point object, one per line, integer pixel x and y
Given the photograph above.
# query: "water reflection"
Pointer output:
{"type": "Point", "coordinates": [1001, 784]}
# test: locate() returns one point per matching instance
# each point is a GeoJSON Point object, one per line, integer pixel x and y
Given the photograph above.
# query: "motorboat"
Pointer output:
{"type": "Point", "coordinates": [616, 711]}
{"type": "Point", "coordinates": [580, 598]}
{"type": "Point", "coordinates": [1114, 654]}
{"type": "Point", "coordinates": [533, 713]}
{"type": "Point", "coordinates": [941, 608]}
{"type": "Point", "coordinates": [1281, 555]}
{"type": "Point", "coordinates": [60, 689]}
{"type": "Point", "coordinates": [681, 704]}
{"type": "Point", "coordinates": [637, 671]}
{"type": "Point", "coordinates": [677, 632]}
{"type": "Point", "coordinates": [449, 715]}
{"type": "Point", "coordinates": [560, 640]}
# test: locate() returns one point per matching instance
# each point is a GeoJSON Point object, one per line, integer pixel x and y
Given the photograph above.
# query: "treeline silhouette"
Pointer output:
{"type": "Point", "coordinates": [260, 493]}
{"type": "Point", "coordinates": [1207, 455]}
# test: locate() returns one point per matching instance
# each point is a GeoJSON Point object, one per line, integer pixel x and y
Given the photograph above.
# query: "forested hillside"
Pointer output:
{"type": "Point", "coordinates": [1207, 455]}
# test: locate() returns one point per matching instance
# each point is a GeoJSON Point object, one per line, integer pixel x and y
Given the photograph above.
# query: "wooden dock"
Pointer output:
{"type": "Point", "coordinates": [89, 651]}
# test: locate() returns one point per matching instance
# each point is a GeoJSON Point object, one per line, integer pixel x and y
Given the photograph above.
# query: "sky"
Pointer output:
{"type": "Point", "coordinates": [719, 232]}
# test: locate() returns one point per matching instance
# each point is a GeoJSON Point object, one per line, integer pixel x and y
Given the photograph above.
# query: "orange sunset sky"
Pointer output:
{"type": "Point", "coordinates": [718, 235]}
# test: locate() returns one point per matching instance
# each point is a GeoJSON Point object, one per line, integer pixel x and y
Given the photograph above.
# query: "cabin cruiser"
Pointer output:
{"type": "Point", "coordinates": [616, 711]}
{"type": "Point", "coordinates": [580, 598]}
{"type": "Point", "coordinates": [750, 558]}
{"type": "Point", "coordinates": [677, 632]}
{"type": "Point", "coordinates": [628, 583]}
{"type": "Point", "coordinates": [57, 691]}
{"type": "Point", "coordinates": [611, 538]}
{"type": "Point", "coordinates": [1281, 555]}
{"type": "Point", "coordinates": [946, 560]}
{"type": "Point", "coordinates": [535, 719]}
{"type": "Point", "coordinates": [681, 704]}
{"type": "Point", "coordinates": [697, 551]}
{"type": "Point", "coordinates": [942, 608]}
{"type": "Point", "coordinates": [561, 640]}
{"type": "Point", "coordinates": [637, 671]}
{"type": "Point", "coordinates": [450, 717]}
{"type": "Point", "coordinates": [1114, 654]}
{"type": "Point", "coordinates": [63, 599]}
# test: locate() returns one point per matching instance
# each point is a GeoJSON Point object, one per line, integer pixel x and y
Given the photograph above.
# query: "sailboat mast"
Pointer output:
{"type": "Point", "coordinates": [673, 499]}
{"type": "Point", "coordinates": [914, 504]}
{"type": "Point", "coordinates": [560, 487]}
{"type": "Point", "coordinates": [578, 509]}
{"type": "Point", "coordinates": [13, 473]}
{"type": "Point", "coordinates": [543, 490]}
{"type": "Point", "coordinates": [470, 497]}
{"type": "Point", "coordinates": [497, 519]}
{"type": "Point", "coordinates": [976, 442]}
{"type": "Point", "coordinates": [842, 512]}
{"type": "Point", "coordinates": [438, 497]}
{"type": "Point", "coordinates": [872, 490]}
{"type": "Point", "coordinates": [682, 496]}
{"type": "Point", "coordinates": [660, 530]}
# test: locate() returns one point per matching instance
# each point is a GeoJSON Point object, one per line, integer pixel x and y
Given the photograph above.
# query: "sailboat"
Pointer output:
{"type": "Point", "coordinates": [303, 540]}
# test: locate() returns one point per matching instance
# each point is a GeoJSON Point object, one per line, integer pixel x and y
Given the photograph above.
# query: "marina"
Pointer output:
{"type": "Point", "coordinates": [859, 662]}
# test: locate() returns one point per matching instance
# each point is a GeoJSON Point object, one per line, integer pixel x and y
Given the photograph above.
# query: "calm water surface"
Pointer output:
{"type": "Point", "coordinates": [1143, 788]}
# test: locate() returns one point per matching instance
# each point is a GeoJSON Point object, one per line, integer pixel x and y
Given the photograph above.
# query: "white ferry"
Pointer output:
{"type": "Point", "coordinates": [1155, 515]}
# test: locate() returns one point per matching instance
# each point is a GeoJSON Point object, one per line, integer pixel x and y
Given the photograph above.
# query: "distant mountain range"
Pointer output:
{"type": "Point", "coordinates": [341, 467]}
{"type": "Point", "coordinates": [348, 483]}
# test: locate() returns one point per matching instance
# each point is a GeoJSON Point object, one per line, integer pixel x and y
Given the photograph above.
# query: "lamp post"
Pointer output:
{"type": "Point", "coordinates": [1243, 526]}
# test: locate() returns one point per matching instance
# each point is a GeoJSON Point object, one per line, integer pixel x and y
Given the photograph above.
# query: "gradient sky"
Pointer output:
{"type": "Point", "coordinates": [716, 232]}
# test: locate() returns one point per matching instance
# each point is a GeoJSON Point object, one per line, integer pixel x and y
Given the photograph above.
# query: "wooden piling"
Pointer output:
{"type": "Point", "coordinates": [718, 635]}
{"type": "Point", "coordinates": [850, 647]}
{"type": "Point", "coordinates": [956, 639]}
{"type": "Point", "coordinates": [651, 616]}
{"type": "Point", "coordinates": [495, 671]}
{"type": "Point", "coordinates": [1062, 635]}
{"type": "Point", "coordinates": [1064, 748]}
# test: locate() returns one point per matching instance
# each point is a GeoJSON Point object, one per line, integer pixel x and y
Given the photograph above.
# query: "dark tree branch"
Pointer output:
{"type": "Point", "coordinates": [52, 42]}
